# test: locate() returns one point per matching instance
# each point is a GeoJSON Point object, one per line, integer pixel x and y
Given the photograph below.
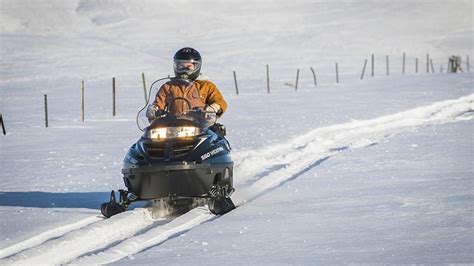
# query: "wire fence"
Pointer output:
{"type": "Point", "coordinates": [454, 65]}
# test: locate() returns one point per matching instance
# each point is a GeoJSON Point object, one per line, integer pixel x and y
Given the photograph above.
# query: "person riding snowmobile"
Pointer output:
{"type": "Point", "coordinates": [189, 87]}
{"type": "Point", "coordinates": [183, 157]}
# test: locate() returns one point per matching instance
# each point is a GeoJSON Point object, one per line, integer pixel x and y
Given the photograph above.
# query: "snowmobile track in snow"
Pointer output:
{"type": "Point", "coordinates": [47, 235]}
{"type": "Point", "coordinates": [109, 240]}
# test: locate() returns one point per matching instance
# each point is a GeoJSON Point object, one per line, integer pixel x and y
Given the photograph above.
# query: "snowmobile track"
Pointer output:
{"type": "Point", "coordinates": [258, 171]}
{"type": "Point", "coordinates": [78, 241]}
{"type": "Point", "coordinates": [47, 235]}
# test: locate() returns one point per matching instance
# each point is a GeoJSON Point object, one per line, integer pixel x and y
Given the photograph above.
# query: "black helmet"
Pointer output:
{"type": "Point", "coordinates": [187, 63]}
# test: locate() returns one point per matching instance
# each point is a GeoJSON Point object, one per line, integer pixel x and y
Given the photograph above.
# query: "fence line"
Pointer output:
{"type": "Point", "coordinates": [363, 70]}
{"type": "Point", "coordinates": [3, 124]}
{"type": "Point", "coordinates": [46, 110]}
{"type": "Point", "coordinates": [373, 67]}
{"type": "Point", "coordinates": [430, 68]}
{"type": "Point", "coordinates": [113, 96]}
{"type": "Point", "coordinates": [235, 81]}
{"type": "Point", "coordinates": [268, 79]}
{"type": "Point", "coordinates": [82, 101]}
{"type": "Point", "coordinates": [144, 87]}
{"type": "Point", "coordinates": [297, 77]}
{"type": "Point", "coordinates": [427, 63]}
{"type": "Point", "coordinates": [314, 77]}
{"type": "Point", "coordinates": [403, 64]}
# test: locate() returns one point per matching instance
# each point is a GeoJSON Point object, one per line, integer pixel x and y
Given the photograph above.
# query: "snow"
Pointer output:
{"type": "Point", "coordinates": [364, 171]}
{"type": "Point", "coordinates": [374, 206]}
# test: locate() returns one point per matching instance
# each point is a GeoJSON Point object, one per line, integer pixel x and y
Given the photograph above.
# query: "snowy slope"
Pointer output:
{"type": "Point", "coordinates": [378, 170]}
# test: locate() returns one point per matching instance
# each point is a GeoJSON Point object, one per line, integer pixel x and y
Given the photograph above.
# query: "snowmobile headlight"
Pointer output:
{"type": "Point", "coordinates": [173, 132]}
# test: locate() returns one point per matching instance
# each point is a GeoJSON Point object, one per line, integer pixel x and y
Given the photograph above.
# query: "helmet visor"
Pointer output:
{"type": "Point", "coordinates": [186, 66]}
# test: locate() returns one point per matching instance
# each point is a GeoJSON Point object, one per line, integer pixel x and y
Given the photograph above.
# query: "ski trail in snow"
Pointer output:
{"type": "Point", "coordinates": [301, 153]}
{"type": "Point", "coordinates": [47, 235]}
{"type": "Point", "coordinates": [257, 172]}
{"type": "Point", "coordinates": [153, 237]}
{"type": "Point", "coordinates": [78, 242]}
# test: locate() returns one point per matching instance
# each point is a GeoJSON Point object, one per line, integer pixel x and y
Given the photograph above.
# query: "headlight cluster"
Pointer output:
{"type": "Point", "coordinates": [172, 132]}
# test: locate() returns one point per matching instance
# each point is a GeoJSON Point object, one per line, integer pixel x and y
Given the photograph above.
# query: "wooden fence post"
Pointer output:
{"type": "Point", "coordinates": [403, 64]}
{"type": "Point", "coordinates": [432, 67]}
{"type": "Point", "coordinates": [427, 63]}
{"type": "Point", "coordinates": [416, 65]}
{"type": "Point", "coordinates": [314, 76]}
{"type": "Point", "coordinates": [388, 70]}
{"type": "Point", "coordinates": [235, 81]}
{"type": "Point", "coordinates": [46, 110]}
{"type": "Point", "coordinates": [268, 78]}
{"type": "Point", "coordinates": [363, 70]}
{"type": "Point", "coordinates": [297, 77]}
{"type": "Point", "coordinates": [3, 124]}
{"type": "Point", "coordinates": [373, 65]}
{"type": "Point", "coordinates": [144, 87]}
{"type": "Point", "coordinates": [82, 101]}
{"type": "Point", "coordinates": [337, 73]}
{"type": "Point", "coordinates": [113, 96]}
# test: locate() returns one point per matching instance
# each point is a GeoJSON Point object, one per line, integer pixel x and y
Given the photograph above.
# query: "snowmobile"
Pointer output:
{"type": "Point", "coordinates": [181, 159]}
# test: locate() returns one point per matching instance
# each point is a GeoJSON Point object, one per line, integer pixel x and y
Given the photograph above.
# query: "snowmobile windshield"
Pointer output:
{"type": "Point", "coordinates": [204, 118]}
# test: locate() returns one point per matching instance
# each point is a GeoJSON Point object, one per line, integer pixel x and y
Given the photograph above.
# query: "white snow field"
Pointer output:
{"type": "Point", "coordinates": [378, 170]}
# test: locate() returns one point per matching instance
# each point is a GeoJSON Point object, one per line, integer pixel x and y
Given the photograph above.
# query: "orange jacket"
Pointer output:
{"type": "Point", "coordinates": [199, 94]}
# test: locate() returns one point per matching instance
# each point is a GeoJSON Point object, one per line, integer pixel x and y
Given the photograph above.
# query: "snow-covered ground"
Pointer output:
{"type": "Point", "coordinates": [371, 171]}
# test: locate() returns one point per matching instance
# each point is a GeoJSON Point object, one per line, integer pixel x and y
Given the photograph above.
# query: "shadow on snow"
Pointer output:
{"type": "Point", "coordinates": [37, 199]}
